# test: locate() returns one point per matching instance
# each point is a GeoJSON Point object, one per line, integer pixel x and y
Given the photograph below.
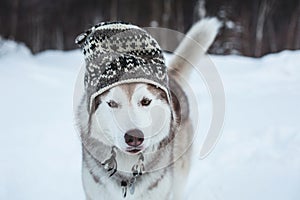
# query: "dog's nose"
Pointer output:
{"type": "Point", "coordinates": [134, 137]}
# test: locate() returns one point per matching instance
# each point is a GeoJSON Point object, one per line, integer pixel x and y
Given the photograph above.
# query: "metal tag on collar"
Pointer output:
{"type": "Point", "coordinates": [111, 163]}
{"type": "Point", "coordinates": [138, 168]}
{"type": "Point", "coordinates": [124, 188]}
{"type": "Point", "coordinates": [132, 185]}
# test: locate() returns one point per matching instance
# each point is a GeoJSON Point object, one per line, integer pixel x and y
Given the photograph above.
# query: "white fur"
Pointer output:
{"type": "Point", "coordinates": [194, 45]}
{"type": "Point", "coordinates": [109, 125]}
{"type": "Point", "coordinates": [113, 123]}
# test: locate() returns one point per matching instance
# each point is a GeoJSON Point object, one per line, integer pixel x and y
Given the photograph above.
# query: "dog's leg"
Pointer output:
{"type": "Point", "coordinates": [180, 179]}
{"type": "Point", "coordinates": [183, 148]}
{"type": "Point", "coordinates": [87, 198]}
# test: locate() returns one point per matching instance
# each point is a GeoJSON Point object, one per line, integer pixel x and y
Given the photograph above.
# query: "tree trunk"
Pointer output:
{"type": "Point", "coordinates": [14, 19]}
{"type": "Point", "coordinates": [260, 28]}
{"type": "Point", "coordinates": [114, 10]}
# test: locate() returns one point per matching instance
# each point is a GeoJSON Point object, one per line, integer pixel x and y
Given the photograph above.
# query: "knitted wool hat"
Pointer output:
{"type": "Point", "coordinates": [117, 53]}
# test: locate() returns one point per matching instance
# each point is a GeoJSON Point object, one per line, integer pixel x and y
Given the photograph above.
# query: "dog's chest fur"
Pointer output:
{"type": "Point", "coordinates": [151, 185]}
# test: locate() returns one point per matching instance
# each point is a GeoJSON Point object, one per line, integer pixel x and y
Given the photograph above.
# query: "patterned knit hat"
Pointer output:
{"type": "Point", "coordinates": [117, 53]}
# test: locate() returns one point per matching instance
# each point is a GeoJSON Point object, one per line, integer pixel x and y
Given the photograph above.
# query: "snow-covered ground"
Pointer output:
{"type": "Point", "coordinates": [257, 157]}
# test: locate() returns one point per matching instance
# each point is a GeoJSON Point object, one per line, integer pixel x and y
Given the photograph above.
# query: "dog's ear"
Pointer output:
{"type": "Point", "coordinates": [97, 101]}
{"type": "Point", "coordinates": [159, 93]}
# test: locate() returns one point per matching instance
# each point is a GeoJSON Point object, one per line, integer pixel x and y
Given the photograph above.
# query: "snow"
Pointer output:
{"type": "Point", "coordinates": [257, 156]}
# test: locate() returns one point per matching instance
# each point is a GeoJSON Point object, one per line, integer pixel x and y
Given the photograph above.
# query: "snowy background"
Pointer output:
{"type": "Point", "coordinates": [257, 157]}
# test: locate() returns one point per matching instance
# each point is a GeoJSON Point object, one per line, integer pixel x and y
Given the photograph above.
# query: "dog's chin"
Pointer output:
{"type": "Point", "coordinates": [134, 150]}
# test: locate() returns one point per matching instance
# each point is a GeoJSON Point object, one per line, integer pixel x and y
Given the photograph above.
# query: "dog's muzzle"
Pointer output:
{"type": "Point", "coordinates": [134, 138]}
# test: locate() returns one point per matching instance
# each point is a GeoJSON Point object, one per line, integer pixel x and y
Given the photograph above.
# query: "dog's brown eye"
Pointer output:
{"type": "Point", "coordinates": [145, 102]}
{"type": "Point", "coordinates": [112, 104]}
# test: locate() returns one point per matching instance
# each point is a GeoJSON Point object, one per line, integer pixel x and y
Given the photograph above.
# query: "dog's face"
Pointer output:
{"type": "Point", "coordinates": [132, 116]}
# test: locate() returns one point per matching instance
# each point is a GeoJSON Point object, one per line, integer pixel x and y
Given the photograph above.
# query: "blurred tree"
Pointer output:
{"type": "Point", "coordinates": [251, 27]}
{"type": "Point", "coordinates": [256, 27]}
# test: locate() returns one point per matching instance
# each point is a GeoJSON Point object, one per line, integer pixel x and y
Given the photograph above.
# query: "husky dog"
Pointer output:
{"type": "Point", "coordinates": [136, 134]}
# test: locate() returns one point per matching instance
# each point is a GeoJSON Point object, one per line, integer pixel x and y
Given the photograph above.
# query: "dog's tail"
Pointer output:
{"type": "Point", "coordinates": [193, 46]}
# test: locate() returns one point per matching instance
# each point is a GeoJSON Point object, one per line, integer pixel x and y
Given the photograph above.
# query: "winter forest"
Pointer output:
{"type": "Point", "coordinates": [250, 27]}
{"type": "Point", "coordinates": [255, 58]}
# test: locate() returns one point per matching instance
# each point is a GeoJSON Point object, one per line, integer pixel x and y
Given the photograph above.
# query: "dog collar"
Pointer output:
{"type": "Point", "coordinates": [137, 170]}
